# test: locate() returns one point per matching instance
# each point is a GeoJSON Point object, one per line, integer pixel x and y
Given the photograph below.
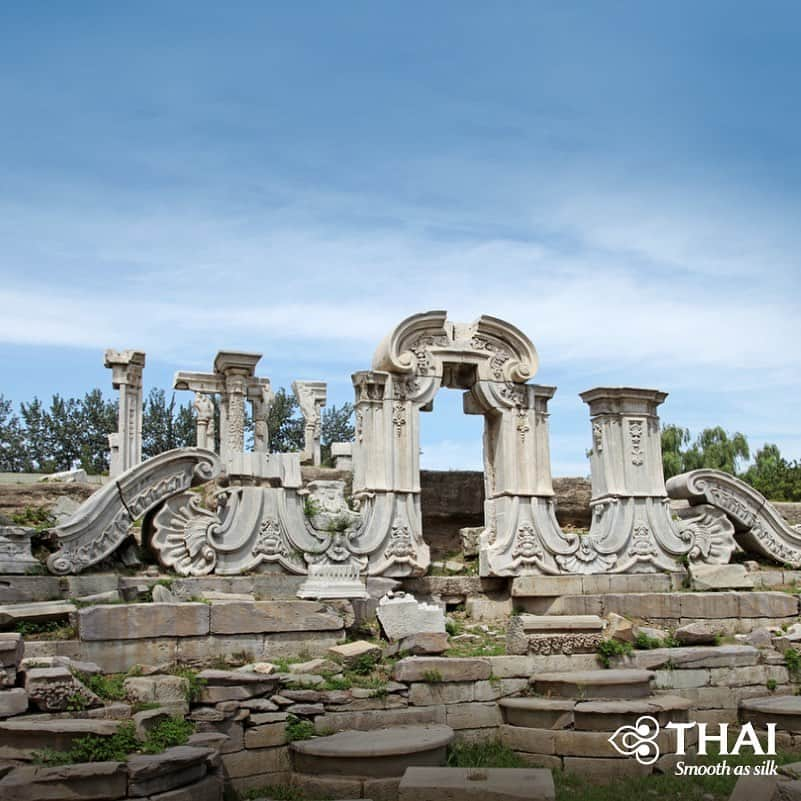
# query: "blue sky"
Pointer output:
{"type": "Point", "coordinates": [620, 180]}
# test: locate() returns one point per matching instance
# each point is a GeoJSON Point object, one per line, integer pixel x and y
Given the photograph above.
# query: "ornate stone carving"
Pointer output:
{"type": "Point", "coordinates": [635, 436]}
{"type": "Point", "coordinates": [102, 522]}
{"type": "Point", "coordinates": [204, 421]}
{"type": "Point", "coordinates": [15, 550]}
{"type": "Point", "coordinates": [757, 525]}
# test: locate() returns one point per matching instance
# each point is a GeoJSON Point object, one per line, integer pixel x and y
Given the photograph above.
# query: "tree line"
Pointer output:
{"type": "Point", "coordinates": [777, 478]}
{"type": "Point", "coordinates": [38, 438]}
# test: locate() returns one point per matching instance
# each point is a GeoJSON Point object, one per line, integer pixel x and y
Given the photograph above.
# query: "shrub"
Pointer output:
{"type": "Point", "coordinates": [487, 754]}
{"type": "Point", "coordinates": [611, 649]}
{"type": "Point", "coordinates": [166, 733]}
{"type": "Point", "coordinates": [297, 729]}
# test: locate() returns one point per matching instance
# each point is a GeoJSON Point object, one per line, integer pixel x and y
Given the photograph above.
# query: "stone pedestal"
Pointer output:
{"type": "Point", "coordinates": [15, 550]}
{"type": "Point", "coordinates": [342, 454]}
{"type": "Point", "coordinates": [126, 376]}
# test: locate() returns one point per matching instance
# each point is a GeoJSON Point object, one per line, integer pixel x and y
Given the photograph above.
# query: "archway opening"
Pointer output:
{"type": "Point", "coordinates": [451, 469]}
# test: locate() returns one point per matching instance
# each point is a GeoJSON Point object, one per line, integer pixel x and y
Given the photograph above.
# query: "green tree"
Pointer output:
{"type": "Point", "coordinates": [37, 436]}
{"type": "Point", "coordinates": [336, 426]}
{"type": "Point", "coordinates": [674, 440]}
{"type": "Point", "coordinates": [165, 424]}
{"type": "Point", "coordinates": [97, 418]}
{"type": "Point", "coordinates": [775, 477]}
{"type": "Point", "coordinates": [13, 457]}
{"type": "Point", "coordinates": [285, 423]}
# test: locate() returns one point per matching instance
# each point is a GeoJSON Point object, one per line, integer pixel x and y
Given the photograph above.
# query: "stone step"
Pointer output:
{"type": "Point", "coordinates": [585, 684]}
{"type": "Point", "coordinates": [378, 753]}
{"type": "Point", "coordinates": [21, 737]}
{"type": "Point", "coordinates": [611, 715]}
{"type": "Point", "coordinates": [538, 713]}
{"type": "Point", "coordinates": [783, 710]}
{"type": "Point", "coordinates": [479, 784]}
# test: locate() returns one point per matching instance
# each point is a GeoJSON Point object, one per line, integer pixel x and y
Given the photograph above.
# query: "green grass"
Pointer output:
{"type": "Point", "coordinates": [109, 688]}
{"type": "Point", "coordinates": [120, 745]}
{"type": "Point", "coordinates": [196, 684]}
{"type": "Point", "coordinates": [51, 630]}
{"type": "Point", "coordinates": [297, 729]}
{"type": "Point", "coordinates": [487, 754]}
{"type": "Point", "coordinates": [792, 659]}
{"type": "Point", "coordinates": [659, 787]}
{"type": "Point", "coordinates": [275, 792]}
{"type": "Point", "coordinates": [610, 649]}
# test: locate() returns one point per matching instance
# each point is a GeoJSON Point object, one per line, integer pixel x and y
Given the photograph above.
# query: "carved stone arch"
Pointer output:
{"type": "Point", "coordinates": [491, 361]}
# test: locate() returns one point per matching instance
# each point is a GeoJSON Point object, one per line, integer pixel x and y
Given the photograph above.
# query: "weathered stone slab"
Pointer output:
{"type": "Point", "coordinates": [149, 774]}
{"type": "Point", "coordinates": [784, 711]}
{"type": "Point", "coordinates": [351, 653]}
{"type": "Point", "coordinates": [53, 689]}
{"type": "Point", "coordinates": [537, 713]}
{"type": "Point", "coordinates": [607, 716]}
{"type": "Point", "coordinates": [94, 781]}
{"type": "Point", "coordinates": [697, 657]}
{"type": "Point", "coordinates": [375, 753]}
{"type": "Point", "coordinates": [401, 616]}
{"type": "Point", "coordinates": [434, 669]}
{"type": "Point", "coordinates": [425, 643]}
{"type": "Point", "coordinates": [43, 612]}
{"type": "Point", "coordinates": [548, 634]}
{"type": "Point", "coordinates": [19, 738]}
{"type": "Point", "coordinates": [486, 784]}
{"type": "Point", "coordinates": [378, 719]}
{"type": "Point", "coordinates": [266, 736]}
{"type": "Point", "coordinates": [528, 740]}
{"type": "Point", "coordinates": [424, 694]}
{"type": "Point", "coordinates": [256, 761]}
{"type": "Point", "coordinates": [548, 586]}
{"type": "Point", "coordinates": [13, 702]}
{"type": "Point", "coordinates": [26, 589]}
{"type": "Point", "coordinates": [143, 621]}
{"type": "Point", "coordinates": [595, 684]}
{"type": "Point", "coordinates": [272, 616]}
{"type": "Point", "coordinates": [473, 716]}
{"type": "Point", "coordinates": [701, 633]}
{"type": "Point", "coordinates": [12, 649]}
{"type": "Point", "coordinates": [767, 604]}
{"type": "Point", "coordinates": [208, 789]}
{"type": "Point", "coordinates": [720, 577]}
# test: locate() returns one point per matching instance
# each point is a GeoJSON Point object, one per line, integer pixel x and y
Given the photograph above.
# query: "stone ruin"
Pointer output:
{"type": "Point", "coordinates": [296, 623]}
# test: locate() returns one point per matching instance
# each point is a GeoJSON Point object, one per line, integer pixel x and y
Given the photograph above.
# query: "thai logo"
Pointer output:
{"type": "Point", "coordinates": [638, 740]}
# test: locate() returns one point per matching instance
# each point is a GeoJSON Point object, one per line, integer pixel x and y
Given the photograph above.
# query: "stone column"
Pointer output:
{"type": "Point", "coordinates": [204, 423]}
{"type": "Point", "coordinates": [631, 527]}
{"type": "Point", "coordinates": [311, 397]}
{"type": "Point", "coordinates": [235, 368]}
{"type": "Point", "coordinates": [126, 376]}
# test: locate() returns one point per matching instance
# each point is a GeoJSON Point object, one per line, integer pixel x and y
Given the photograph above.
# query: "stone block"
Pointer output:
{"type": "Point", "coordinates": [488, 609]}
{"type": "Point", "coordinates": [720, 577]}
{"type": "Point", "coordinates": [423, 694]}
{"type": "Point", "coordinates": [91, 781]}
{"type": "Point", "coordinates": [709, 605]}
{"type": "Point", "coordinates": [266, 736]}
{"type": "Point", "coordinates": [473, 716]}
{"type": "Point", "coordinates": [12, 649]}
{"type": "Point", "coordinates": [27, 589]}
{"type": "Point", "coordinates": [13, 702]}
{"type": "Point", "coordinates": [19, 738]}
{"type": "Point", "coordinates": [513, 666]}
{"type": "Point", "coordinates": [254, 761]}
{"type": "Point", "coordinates": [317, 786]}
{"type": "Point", "coordinates": [434, 669]}
{"type": "Point", "coordinates": [378, 719]}
{"type": "Point", "coordinates": [767, 604]}
{"type": "Point", "coordinates": [119, 656]}
{"type": "Point", "coordinates": [149, 774]}
{"type": "Point", "coordinates": [273, 617]}
{"type": "Point", "coordinates": [209, 788]}
{"type": "Point", "coordinates": [498, 688]}
{"type": "Point", "coordinates": [523, 738]}
{"type": "Point", "coordinates": [681, 679]}
{"type": "Point", "coordinates": [604, 583]}
{"type": "Point", "coordinates": [703, 632]}
{"type": "Point", "coordinates": [546, 586]}
{"type": "Point", "coordinates": [42, 612]}
{"type": "Point", "coordinates": [143, 621]}
{"type": "Point", "coordinates": [603, 770]}
{"type": "Point", "coordinates": [381, 789]}
{"type": "Point", "coordinates": [647, 605]}
{"type": "Point", "coordinates": [425, 643]}
{"type": "Point", "coordinates": [476, 784]}
{"type": "Point", "coordinates": [401, 616]}
{"type": "Point", "coordinates": [53, 689]}
{"type": "Point", "coordinates": [352, 653]}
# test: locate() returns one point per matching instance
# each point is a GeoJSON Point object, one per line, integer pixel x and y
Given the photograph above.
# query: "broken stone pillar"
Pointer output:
{"type": "Point", "coordinates": [261, 413]}
{"type": "Point", "coordinates": [204, 421]}
{"type": "Point", "coordinates": [311, 397]}
{"type": "Point", "coordinates": [126, 376]}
